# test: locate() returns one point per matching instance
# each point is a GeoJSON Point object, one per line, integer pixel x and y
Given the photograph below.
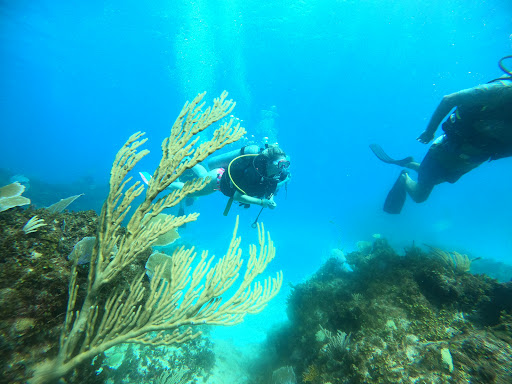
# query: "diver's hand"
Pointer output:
{"type": "Point", "coordinates": [426, 137]}
{"type": "Point", "coordinates": [268, 203]}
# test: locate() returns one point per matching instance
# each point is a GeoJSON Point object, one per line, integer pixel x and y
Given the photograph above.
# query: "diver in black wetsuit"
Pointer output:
{"type": "Point", "coordinates": [254, 178]}
{"type": "Point", "coordinates": [478, 130]}
{"type": "Point", "coordinates": [250, 175]}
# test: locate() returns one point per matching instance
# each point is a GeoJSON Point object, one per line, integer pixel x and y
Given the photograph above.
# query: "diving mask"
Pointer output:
{"type": "Point", "coordinates": [282, 164]}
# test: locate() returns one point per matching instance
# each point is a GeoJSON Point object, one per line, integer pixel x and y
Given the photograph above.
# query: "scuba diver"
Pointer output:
{"type": "Point", "coordinates": [252, 178]}
{"type": "Point", "coordinates": [479, 129]}
{"type": "Point", "coordinates": [250, 175]}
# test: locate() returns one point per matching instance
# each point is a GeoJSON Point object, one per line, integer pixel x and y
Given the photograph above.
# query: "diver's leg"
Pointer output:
{"type": "Point", "coordinates": [404, 185]}
{"type": "Point", "coordinates": [413, 165]}
{"type": "Point", "coordinates": [419, 192]}
{"type": "Point", "coordinates": [431, 171]}
{"type": "Point", "coordinates": [210, 187]}
{"type": "Point", "coordinates": [176, 185]}
{"type": "Point", "coordinates": [199, 171]}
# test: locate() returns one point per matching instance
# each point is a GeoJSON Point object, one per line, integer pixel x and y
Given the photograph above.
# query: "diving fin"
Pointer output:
{"type": "Point", "coordinates": [396, 196]}
{"type": "Point", "coordinates": [382, 156]}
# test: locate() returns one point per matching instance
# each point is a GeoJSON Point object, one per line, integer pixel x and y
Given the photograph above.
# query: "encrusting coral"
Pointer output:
{"type": "Point", "coordinates": [191, 297]}
{"type": "Point", "coordinates": [412, 318]}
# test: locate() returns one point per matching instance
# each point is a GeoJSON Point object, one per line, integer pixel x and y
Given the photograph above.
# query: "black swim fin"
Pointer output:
{"type": "Point", "coordinates": [381, 155]}
{"type": "Point", "coordinates": [396, 196]}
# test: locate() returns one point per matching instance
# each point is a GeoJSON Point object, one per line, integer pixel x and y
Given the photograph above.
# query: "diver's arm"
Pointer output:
{"type": "Point", "coordinates": [445, 106]}
{"type": "Point", "coordinates": [246, 199]}
{"type": "Point", "coordinates": [285, 180]}
{"type": "Point", "coordinates": [199, 171]}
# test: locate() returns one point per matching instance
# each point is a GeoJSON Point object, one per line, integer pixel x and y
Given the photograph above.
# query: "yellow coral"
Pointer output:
{"type": "Point", "coordinates": [195, 292]}
{"type": "Point", "coordinates": [311, 374]}
{"type": "Point", "coordinates": [454, 260]}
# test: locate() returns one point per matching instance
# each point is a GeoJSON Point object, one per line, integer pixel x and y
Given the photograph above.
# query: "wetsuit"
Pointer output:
{"type": "Point", "coordinates": [248, 179]}
{"type": "Point", "coordinates": [480, 129]}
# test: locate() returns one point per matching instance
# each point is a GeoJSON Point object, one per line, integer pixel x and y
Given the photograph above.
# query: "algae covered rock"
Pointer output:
{"type": "Point", "coordinates": [410, 317]}
{"type": "Point", "coordinates": [34, 277]}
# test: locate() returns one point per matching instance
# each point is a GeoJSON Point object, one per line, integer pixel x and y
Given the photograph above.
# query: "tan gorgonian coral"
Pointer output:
{"type": "Point", "coordinates": [163, 315]}
{"type": "Point", "coordinates": [62, 204]}
{"type": "Point", "coordinates": [454, 260]}
{"type": "Point", "coordinates": [167, 238]}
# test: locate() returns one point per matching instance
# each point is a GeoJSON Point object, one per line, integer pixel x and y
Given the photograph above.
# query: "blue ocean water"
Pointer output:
{"type": "Point", "coordinates": [324, 78]}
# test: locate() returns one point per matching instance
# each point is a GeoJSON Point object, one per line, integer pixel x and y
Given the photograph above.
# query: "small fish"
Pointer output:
{"type": "Point", "coordinates": [82, 251]}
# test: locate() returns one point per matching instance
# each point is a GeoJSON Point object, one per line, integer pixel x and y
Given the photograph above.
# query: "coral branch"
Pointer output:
{"type": "Point", "coordinates": [188, 297]}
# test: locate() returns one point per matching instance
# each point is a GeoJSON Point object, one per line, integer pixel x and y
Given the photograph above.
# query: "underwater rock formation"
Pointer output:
{"type": "Point", "coordinates": [409, 318]}
{"type": "Point", "coordinates": [34, 278]}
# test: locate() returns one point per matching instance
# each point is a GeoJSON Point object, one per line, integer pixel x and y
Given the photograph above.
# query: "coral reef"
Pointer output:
{"type": "Point", "coordinates": [34, 277]}
{"type": "Point", "coordinates": [411, 318]}
{"type": "Point", "coordinates": [134, 363]}
{"type": "Point", "coordinates": [110, 301]}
